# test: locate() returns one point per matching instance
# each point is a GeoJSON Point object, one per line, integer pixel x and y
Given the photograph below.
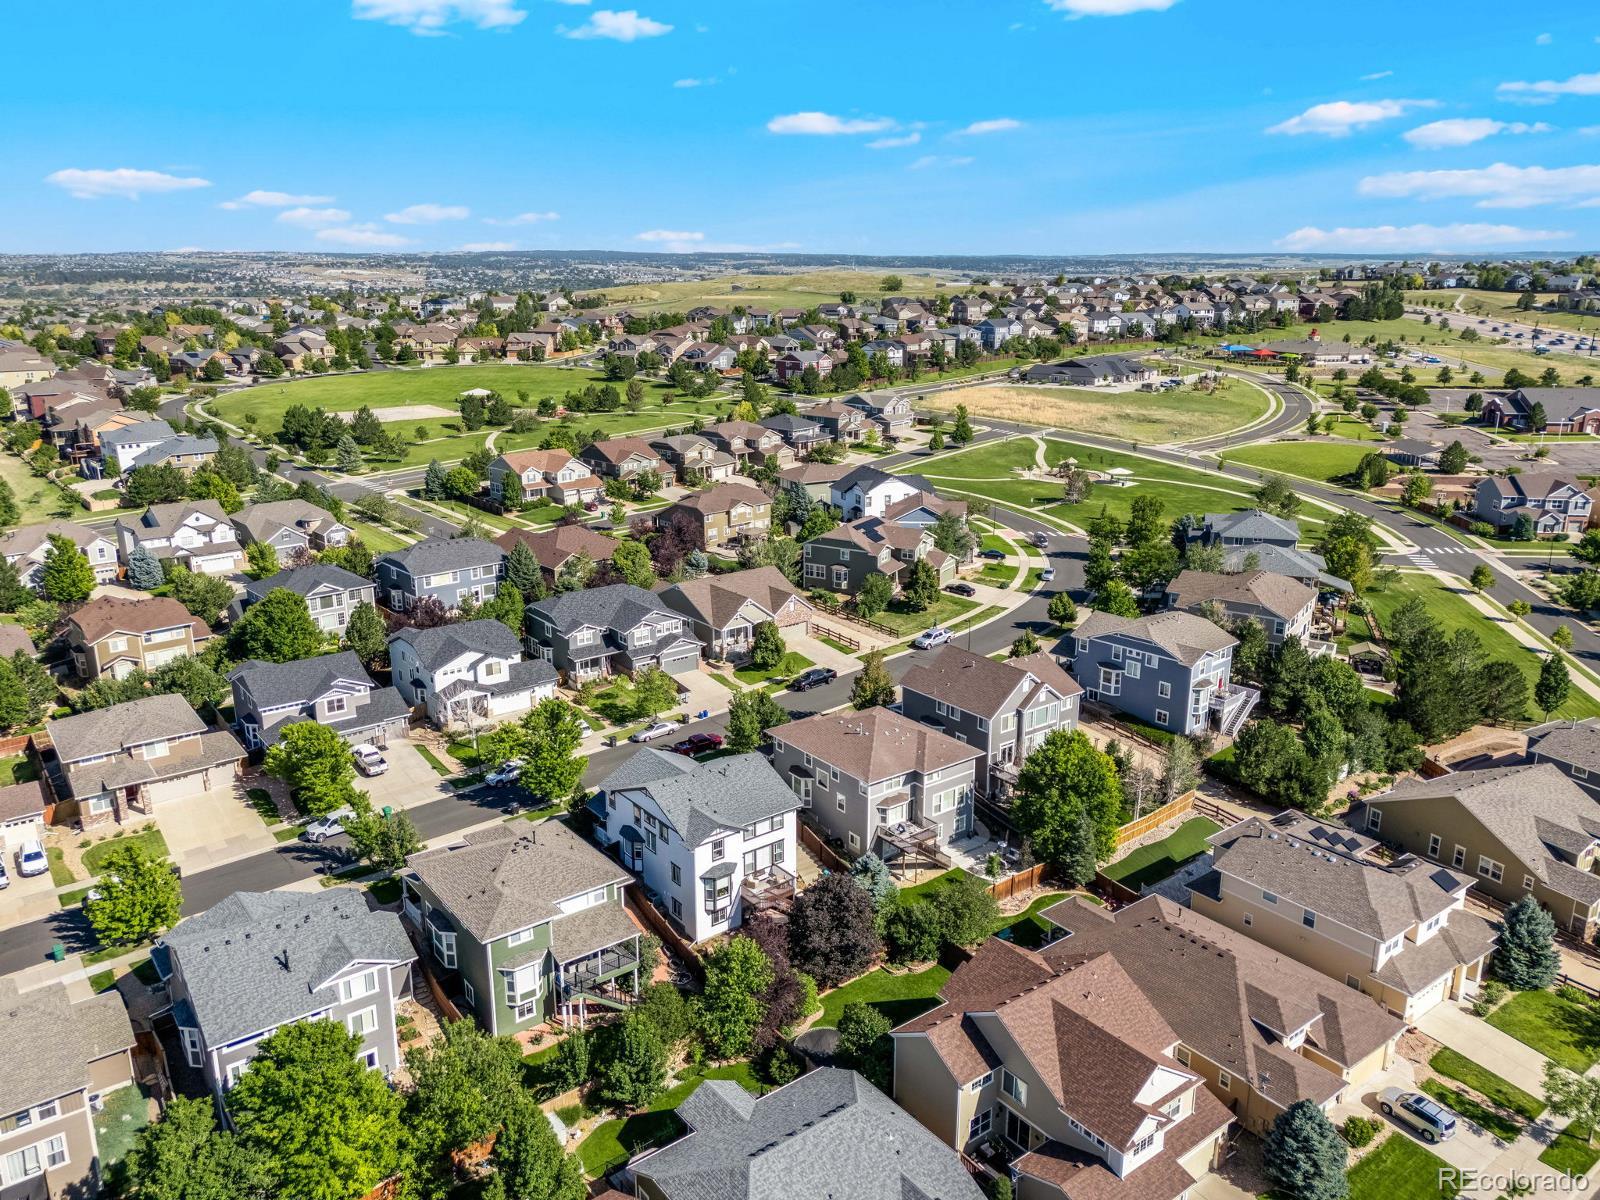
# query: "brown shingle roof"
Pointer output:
{"type": "Point", "coordinates": [1278, 594]}
{"type": "Point", "coordinates": [722, 498]}
{"type": "Point", "coordinates": [982, 685]}
{"type": "Point", "coordinates": [875, 743]}
{"type": "Point", "coordinates": [552, 547]}
{"type": "Point", "coordinates": [113, 614]}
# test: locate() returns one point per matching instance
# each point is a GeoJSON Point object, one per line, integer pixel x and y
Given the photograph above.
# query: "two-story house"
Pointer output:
{"type": "Point", "coordinates": [289, 526]}
{"type": "Point", "coordinates": [694, 459]}
{"type": "Point", "coordinates": [749, 442]}
{"type": "Point", "coordinates": [446, 569]}
{"type": "Point", "coordinates": [724, 610]}
{"type": "Point", "coordinates": [525, 924]}
{"type": "Point", "coordinates": [843, 558]}
{"type": "Point", "coordinates": [1002, 708]}
{"type": "Point", "coordinates": [714, 840]}
{"type": "Point", "coordinates": [880, 781]}
{"type": "Point", "coordinates": [63, 1058]}
{"type": "Point", "coordinates": [1397, 931]}
{"type": "Point", "coordinates": [120, 448]}
{"type": "Point", "coordinates": [1248, 527]}
{"type": "Point", "coordinates": [113, 636]}
{"type": "Point", "coordinates": [889, 411]}
{"type": "Point", "coordinates": [26, 548]}
{"type": "Point", "coordinates": [193, 533]}
{"type": "Point", "coordinates": [815, 480]}
{"type": "Point", "coordinates": [616, 629]}
{"type": "Point", "coordinates": [258, 961]}
{"type": "Point", "coordinates": [330, 689]}
{"type": "Point", "coordinates": [468, 675]}
{"type": "Point", "coordinates": [624, 458]}
{"type": "Point", "coordinates": [331, 593]}
{"type": "Point", "coordinates": [799, 433]}
{"type": "Point", "coordinates": [838, 422]}
{"type": "Point", "coordinates": [866, 491]}
{"type": "Point", "coordinates": [187, 452]}
{"type": "Point", "coordinates": [1523, 830]}
{"type": "Point", "coordinates": [528, 475]}
{"type": "Point", "coordinates": [1572, 747]}
{"type": "Point", "coordinates": [1555, 504]}
{"type": "Point", "coordinates": [1283, 607]}
{"type": "Point", "coordinates": [1302, 565]}
{"type": "Point", "coordinates": [1170, 670]}
{"type": "Point", "coordinates": [722, 516]}
{"type": "Point", "coordinates": [559, 545]}
{"type": "Point", "coordinates": [113, 763]}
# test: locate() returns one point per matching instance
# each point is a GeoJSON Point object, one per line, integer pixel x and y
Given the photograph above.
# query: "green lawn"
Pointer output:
{"type": "Point", "coordinates": [1027, 928]}
{"type": "Point", "coordinates": [929, 888]}
{"type": "Point", "coordinates": [1484, 1081]}
{"type": "Point", "coordinates": [1452, 611]}
{"type": "Point", "coordinates": [117, 1125]}
{"type": "Point", "coordinates": [1355, 430]}
{"type": "Point", "coordinates": [998, 574]}
{"type": "Point", "coordinates": [19, 768]}
{"type": "Point", "coordinates": [1490, 1120]}
{"type": "Point", "coordinates": [613, 1142]}
{"type": "Point", "coordinates": [1564, 1031]}
{"type": "Point", "coordinates": [1156, 860]}
{"type": "Point", "coordinates": [1571, 1152]}
{"type": "Point", "coordinates": [60, 873]}
{"type": "Point", "coordinates": [150, 841]}
{"type": "Point", "coordinates": [897, 996]}
{"type": "Point", "coordinates": [793, 663]}
{"type": "Point", "coordinates": [37, 499]}
{"type": "Point", "coordinates": [1399, 1169]}
{"type": "Point", "coordinates": [945, 610]}
{"type": "Point", "coordinates": [1326, 461]}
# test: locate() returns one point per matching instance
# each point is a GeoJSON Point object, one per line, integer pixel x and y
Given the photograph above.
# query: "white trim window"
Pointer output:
{"type": "Point", "coordinates": [366, 983]}
{"type": "Point", "coordinates": [444, 945]}
{"type": "Point", "coordinates": [363, 1022]}
{"type": "Point", "coordinates": [192, 1052]}
{"type": "Point", "coordinates": [1490, 869]}
{"type": "Point", "coordinates": [1013, 1087]}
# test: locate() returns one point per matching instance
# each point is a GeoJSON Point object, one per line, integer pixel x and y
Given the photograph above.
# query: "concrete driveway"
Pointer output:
{"type": "Point", "coordinates": [1485, 1045]}
{"type": "Point", "coordinates": [1472, 1148]}
{"type": "Point", "coordinates": [409, 781]}
{"type": "Point", "coordinates": [26, 899]}
{"type": "Point", "coordinates": [211, 828]}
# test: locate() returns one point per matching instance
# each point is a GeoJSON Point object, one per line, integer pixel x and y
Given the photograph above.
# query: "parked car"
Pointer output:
{"type": "Point", "coordinates": [996, 555]}
{"type": "Point", "coordinates": [326, 827]}
{"type": "Point", "coordinates": [368, 760]}
{"type": "Point", "coordinates": [5, 880]}
{"type": "Point", "coordinates": [961, 589]}
{"type": "Point", "coordinates": [506, 772]}
{"type": "Point", "coordinates": [1048, 575]}
{"type": "Point", "coordinates": [698, 743]}
{"type": "Point", "coordinates": [30, 859]}
{"type": "Point", "coordinates": [929, 638]}
{"type": "Point", "coordinates": [815, 677]}
{"type": "Point", "coordinates": [654, 730]}
{"type": "Point", "coordinates": [1432, 1120]}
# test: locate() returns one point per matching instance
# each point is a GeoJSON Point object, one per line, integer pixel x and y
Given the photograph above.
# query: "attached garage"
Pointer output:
{"type": "Point", "coordinates": [21, 814]}
{"type": "Point", "coordinates": [680, 657]}
{"type": "Point", "coordinates": [1429, 996]}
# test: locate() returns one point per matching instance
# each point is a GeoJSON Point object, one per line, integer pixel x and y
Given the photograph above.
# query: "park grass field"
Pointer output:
{"type": "Point", "coordinates": [798, 290]}
{"type": "Point", "coordinates": [1144, 418]}
{"type": "Point", "coordinates": [1498, 306]}
{"type": "Point", "coordinates": [37, 499]}
{"type": "Point", "coordinates": [1324, 460]}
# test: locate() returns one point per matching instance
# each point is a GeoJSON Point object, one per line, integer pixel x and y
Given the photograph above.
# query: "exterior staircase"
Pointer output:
{"type": "Point", "coordinates": [1231, 707]}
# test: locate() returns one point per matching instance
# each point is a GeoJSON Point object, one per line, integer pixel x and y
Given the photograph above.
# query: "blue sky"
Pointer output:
{"type": "Point", "coordinates": [951, 127]}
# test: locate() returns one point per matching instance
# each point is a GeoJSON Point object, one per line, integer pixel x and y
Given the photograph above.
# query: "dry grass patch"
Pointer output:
{"type": "Point", "coordinates": [1148, 418]}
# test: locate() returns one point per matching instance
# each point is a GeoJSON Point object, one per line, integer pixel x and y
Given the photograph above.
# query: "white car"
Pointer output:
{"type": "Point", "coordinates": [654, 730]}
{"type": "Point", "coordinates": [929, 638]}
{"type": "Point", "coordinates": [31, 860]}
{"type": "Point", "coordinates": [5, 880]}
{"type": "Point", "coordinates": [326, 827]}
{"type": "Point", "coordinates": [506, 772]}
{"type": "Point", "coordinates": [369, 761]}
{"type": "Point", "coordinates": [1048, 575]}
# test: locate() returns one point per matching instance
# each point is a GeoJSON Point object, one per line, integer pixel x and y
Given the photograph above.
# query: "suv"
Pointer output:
{"type": "Point", "coordinates": [30, 859]}
{"type": "Point", "coordinates": [1432, 1120]}
{"type": "Point", "coordinates": [326, 827]}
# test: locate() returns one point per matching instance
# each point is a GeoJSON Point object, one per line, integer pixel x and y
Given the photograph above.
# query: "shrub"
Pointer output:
{"type": "Point", "coordinates": [1359, 1131]}
{"type": "Point", "coordinates": [1572, 994]}
{"type": "Point", "coordinates": [912, 931]}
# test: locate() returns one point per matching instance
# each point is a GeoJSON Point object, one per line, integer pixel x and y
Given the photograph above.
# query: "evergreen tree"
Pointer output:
{"type": "Point", "coordinates": [433, 481]}
{"type": "Point", "coordinates": [67, 577]}
{"type": "Point", "coordinates": [1525, 956]}
{"type": "Point", "coordinates": [347, 453]}
{"type": "Point", "coordinates": [873, 685]}
{"type": "Point", "coordinates": [1305, 1156]}
{"type": "Point", "coordinates": [522, 570]}
{"type": "Point", "coordinates": [961, 432]}
{"type": "Point", "coordinates": [921, 591]}
{"type": "Point", "coordinates": [750, 714]}
{"type": "Point", "coordinates": [1554, 685]}
{"type": "Point", "coordinates": [144, 570]}
{"type": "Point", "coordinates": [367, 635]}
{"type": "Point", "coordinates": [14, 593]}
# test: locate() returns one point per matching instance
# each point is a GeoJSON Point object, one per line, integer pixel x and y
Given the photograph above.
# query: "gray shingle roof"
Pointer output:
{"type": "Point", "coordinates": [618, 606]}
{"type": "Point", "coordinates": [50, 1041]}
{"type": "Point", "coordinates": [1252, 524]}
{"type": "Point", "coordinates": [432, 555]}
{"type": "Point", "coordinates": [725, 793]}
{"type": "Point", "coordinates": [145, 431]}
{"type": "Point", "coordinates": [175, 447]}
{"type": "Point", "coordinates": [1284, 560]}
{"type": "Point", "coordinates": [1575, 744]}
{"type": "Point", "coordinates": [442, 643]}
{"type": "Point", "coordinates": [259, 959]}
{"type": "Point", "coordinates": [981, 685]}
{"type": "Point", "coordinates": [263, 521]}
{"type": "Point", "coordinates": [1186, 637]}
{"type": "Point", "coordinates": [110, 730]}
{"type": "Point", "coordinates": [304, 679]}
{"type": "Point", "coordinates": [381, 706]}
{"type": "Point", "coordinates": [302, 581]}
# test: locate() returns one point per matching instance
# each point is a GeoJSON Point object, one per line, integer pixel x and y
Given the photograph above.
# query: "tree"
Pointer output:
{"type": "Point", "coordinates": [750, 715]}
{"type": "Point", "coordinates": [873, 684]}
{"type": "Point", "coordinates": [767, 649]}
{"type": "Point", "coordinates": [67, 577]}
{"type": "Point", "coordinates": [1350, 558]}
{"type": "Point", "coordinates": [1276, 495]}
{"type": "Point", "coordinates": [630, 1063]}
{"type": "Point", "coordinates": [874, 595]}
{"type": "Point", "coordinates": [552, 733]}
{"type": "Point", "coordinates": [653, 692]}
{"type": "Point", "coordinates": [184, 1156]}
{"type": "Point", "coordinates": [366, 634]}
{"type": "Point", "coordinates": [1453, 458]}
{"type": "Point", "coordinates": [522, 571]}
{"type": "Point", "coordinates": [277, 628]}
{"type": "Point", "coordinates": [968, 912]}
{"type": "Point", "coordinates": [528, 1162]}
{"type": "Point", "coordinates": [730, 1007]}
{"type": "Point", "coordinates": [1482, 578]}
{"type": "Point", "coordinates": [1117, 599]}
{"type": "Point", "coordinates": [315, 762]}
{"type": "Point", "coordinates": [1418, 490]}
{"type": "Point", "coordinates": [631, 560]}
{"type": "Point", "coordinates": [1062, 611]}
{"type": "Point", "coordinates": [330, 1126]}
{"type": "Point", "coordinates": [833, 934]}
{"type": "Point", "coordinates": [871, 874]}
{"type": "Point", "coordinates": [210, 485]}
{"type": "Point", "coordinates": [464, 1088]}
{"type": "Point", "coordinates": [1554, 685]}
{"type": "Point", "coordinates": [863, 1037]}
{"type": "Point", "coordinates": [144, 570]}
{"type": "Point", "coordinates": [1562, 637]}
{"type": "Point", "coordinates": [138, 897]}
{"type": "Point", "coordinates": [203, 595]}
{"type": "Point", "coordinates": [1574, 1096]}
{"type": "Point", "coordinates": [1526, 957]}
{"type": "Point", "coordinates": [385, 841]}
{"type": "Point", "coordinates": [921, 590]}
{"type": "Point", "coordinates": [39, 688]}
{"type": "Point", "coordinates": [1025, 643]}
{"type": "Point", "coordinates": [953, 535]}
{"type": "Point", "coordinates": [1067, 802]}
{"type": "Point", "coordinates": [433, 481]}
{"type": "Point", "coordinates": [1305, 1156]}
{"type": "Point", "coordinates": [961, 431]}
{"type": "Point", "coordinates": [261, 560]}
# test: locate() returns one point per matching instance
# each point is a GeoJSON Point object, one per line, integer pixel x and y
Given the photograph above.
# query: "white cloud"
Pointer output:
{"type": "Point", "coordinates": [126, 182]}
{"type": "Point", "coordinates": [481, 247]}
{"type": "Point", "coordinates": [312, 217]}
{"type": "Point", "coordinates": [889, 143]}
{"type": "Point", "coordinates": [368, 236]}
{"type": "Point", "coordinates": [1590, 130]}
{"type": "Point", "coordinates": [694, 83]}
{"type": "Point", "coordinates": [626, 26]}
{"type": "Point", "coordinates": [998, 125]}
{"type": "Point", "coordinates": [669, 235]}
{"type": "Point", "coordinates": [1544, 39]}
{"type": "Point", "coordinates": [1545, 91]}
{"type": "Point", "coordinates": [525, 218]}
{"type": "Point", "coordinates": [827, 124]}
{"type": "Point", "coordinates": [1498, 186]}
{"type": "Point", "coordinates": [428, 18]}
{"type": "Point", "coordinates": [1108, 8]}
{"type": "Point", "coordinates": [423, 214]}
{"type": "Point", "coordinates": [1463, 131]}
{"type": "Point", "coordinates": [1375, 76]}
{"type": "Point", "coordinates": [260, 199]}
{"type": "Point", "coordinates": [939, 160]}
{"type": "Point", "coordinates": [1338, 118]}
{"type": "Point", "coordinates": [1400, 238]}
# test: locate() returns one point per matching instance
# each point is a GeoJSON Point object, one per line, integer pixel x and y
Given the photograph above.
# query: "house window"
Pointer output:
{"type": "Point", "coordinates": [1270, 897]}
{"type": "Point", "coordinates": [838, 801]}
{"type": "Point", "coordinates": [1459, 858]}
{"type": "Point", "coordinates": [1308, 919]}
{"type": "Point", "coordinates": [1489, 869]}
{"type": "Point", "coordinates": [1433, 845]}
{"type": "Point", "coordinates": [677, 873]}
{"type": "Point", "coordinates": [1527, 883]}
{"type": "Point", "coordinates": [1182, 1055]}
{"type": "Point", "coordinates": [363, 1022]}
{"type": "Point", "coordinates": [191, 1046]}
{"type": "Point", "coordinates": [370, 1058]}
{"type": "Point", "coordinates": [1249, 920]}
{"type": "Point", "coordinates": [982, 1123]}
{"type": "Point", "coordinates": [718, 850]}
{"type": "Point", "coordinates": [1350, 981]}
{"type": "Point", "coordinates": [444, 945]}
{"type": "Point", "coordinates": [1132, 666]}
{"type": "Point", "coordinates": [677, 908]}
{"type": "Point", "coordinates": [358, 986]}
{"type": "Point", "coordinates": [855, 841]}
{"type": "Point", "coordinates": [1164, 690]}
{"type": "Point", "coordinates": [1224, 1080]}
{"type": "Point", "coordinates": [520, 936]}
{"type": "Point", "coordinates": [1161, 716]}
{"type": "Point", "coordinates": [1374, 819]}
{"type": "Point", "coordinates": [336, 704]}
{"type": "Point", "coordinates": [235, 1072]}
{"type": "Point", "coordinates": [470, 992]}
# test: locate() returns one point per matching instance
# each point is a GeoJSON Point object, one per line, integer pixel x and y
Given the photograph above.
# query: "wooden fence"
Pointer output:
{"type": "Point", "coordinates": [1568, 981]}
{"type": "Point", "coordinates": [1022, 881]}
{"type": "Point", "coordinates": [836, 635]}
{"type": "Point", "coordinates": [639, 904]}
{"type": "Point", "coordinates": [1117, 893]}
{"type": "Point", "coordinates": [820, 850]}
{"type": "Point", "coordinates": [834, 609]}
{"type": "Point", "coordinates": [1155, 819]}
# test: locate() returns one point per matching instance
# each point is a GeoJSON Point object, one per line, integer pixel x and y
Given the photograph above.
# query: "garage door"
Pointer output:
{"type": "Point", "coordinates": [679, 661]}
{"type": "Point", "coordinates": [23, 829]}
{"type": "Point", "coordinates": [1428, 998]}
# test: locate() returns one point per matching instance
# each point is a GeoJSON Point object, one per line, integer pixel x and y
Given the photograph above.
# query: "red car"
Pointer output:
{"type": "Point", "coordinates": [698, 743]}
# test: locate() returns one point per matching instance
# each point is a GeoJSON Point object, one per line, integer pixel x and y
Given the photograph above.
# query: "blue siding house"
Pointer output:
{"type": "Point", "coordinates": [448, 569]}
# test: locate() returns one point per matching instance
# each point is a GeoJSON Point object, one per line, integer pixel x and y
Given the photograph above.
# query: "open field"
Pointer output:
{"type": "Point", "coordinates": [1145, 418]}
{"type": "Point", "coordinates": [800, 290]}
{"type": "Point", "coordinates": [1324, 460]}
{"type": "Point", "coordinates": [1497, 306]}
{"type": "Point", "coordinates": [37, 499]}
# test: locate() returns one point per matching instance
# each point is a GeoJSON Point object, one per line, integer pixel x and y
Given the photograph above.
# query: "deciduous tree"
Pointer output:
{"type": "Point", "coordinates": [277, 628]}
{"type": "Point", "coordinates": [730, 1009]}
{"type": "Point", "coordinates": [138, 897]}
{"type": "Point", "coordinates": [1064, 780]}
{"type": "Point", "coordinates": [66, 577]}
{"type": "Point", "coordinates": [315, 762]}
{"type": "Point", "coordinates": [833, 933]}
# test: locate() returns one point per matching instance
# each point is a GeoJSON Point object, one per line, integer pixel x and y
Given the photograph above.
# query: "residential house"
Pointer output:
{"type": "Point", "coordinates": [1250, 527]}
{"type": "Point", "coordinates": [468, 675]}
{"type": "Point", "coordinates": [448, 570]}
{"type": "Point", "coordinates": [881, 782]}
{"type": "Point", "coordinates": [1398, 931]}
{"type": "Point", "coordinates": [624, 458]}
{"type": "Point", "coordinates": [722, 516]}
{"type": "Point", "coordinates": [21, 365]}
{"type": "Point", "coordinates": [527, 344]}
{"type": "Point", "coordinates": [616, 629]}
{"type": "Point", "coordinates": [331, 593]}
{"type": "Point", "coordinates": [724, 610]}
{"type": "Point", "coordinates": [114, 636]}
{"type": "Point", "coordinates": [816, 480]}
{"type": "Point", "coordinates": [1301, 565]}
{"type": "Point", "coordinates": [1522, 830]}
{"type": "Point", "coordinates": [529, 475]}
{"type": "Point", "coordinates": [185, 452]}
{"type": "Point", "coordinates": [889, 411]}
{"type": "Point", "coordinates": [923, 509]}
{"type": "Point", "coordinates": [64, 1058]}
{"type": "Point", "coordinates": [111, 764]}
{"type": "Point", "coordinates": [1566, 409]}
{"type": "Point", "coordinates": [1554, 503]}
{"type": "Point", "coordinates": [792, 364]}
{"type": "Point", "coordinates": [258, 961]}
{"type": "Point", "coordinates": [709, 356]}
{"type": "Point", "coordinates": [1001, 707]}
{"type": "Point", "coordinates": [1094, 370]}
{"type": "Point", "coordinates": [749, 442]}
{"type": "Point", "coordinates": [799, 433]}
{"type": "Point", "coordinates": [1170, 670]}
{"type": "Point", "coordinates": [839, 422]}
{"type": "Point", "coordinates": [1572, 747]}
{"type": "Point", "coordinates": [828, 1133]}
{"type": "Point", "coordinates": [714, 840]}
{"type": "Point", "coordinates": [1280, 605]}
{"type": "Point", "coordinates": [27, 547]}
{"type": "Point", "coordinates": [997, 331]}
{"type": "Point", "coordinates": [843, 558]}
{"type": "Point", "coordinates": [694, 458]}
{"type": "Point", "coordinates": [866, 491]}
{"type": "Point", "coordinates": [289, 526]}
{"type": "Point", "coordinates": [121, 449]}
{"type": "Point", "coordinates": [891, 350]}
{"type": "Point", "coordinates": [556, 547]}
{"type": "Point", "coordinates": [192, 533]}
{"type": "Point", "coordinates": [331, 689]}
{"type": "Point", "coordinates": [525, 924]}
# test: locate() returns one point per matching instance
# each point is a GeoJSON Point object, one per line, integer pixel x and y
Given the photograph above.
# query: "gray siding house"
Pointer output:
{"type": "Point", "coordinates": [331, 593]}
{"type": "Point", "coordinates": [470, 674]}
{"type": "Point", "coordinates": [289, 525]}
{"type": "Point", "coordinates": [448, 569]}
{"type": "Point", "coordinates": [330, 689]}
{"type": "Point", "coordinates": [260, 960]}
{"type": "Point", "coordinates": [1573, 748]}
{"type": "Point", "coordinates": [617, 629]}
{"type": "Point", "coordinates": [1002, 708]}
{"type": "Point", "coordinates": [1251, 527]}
